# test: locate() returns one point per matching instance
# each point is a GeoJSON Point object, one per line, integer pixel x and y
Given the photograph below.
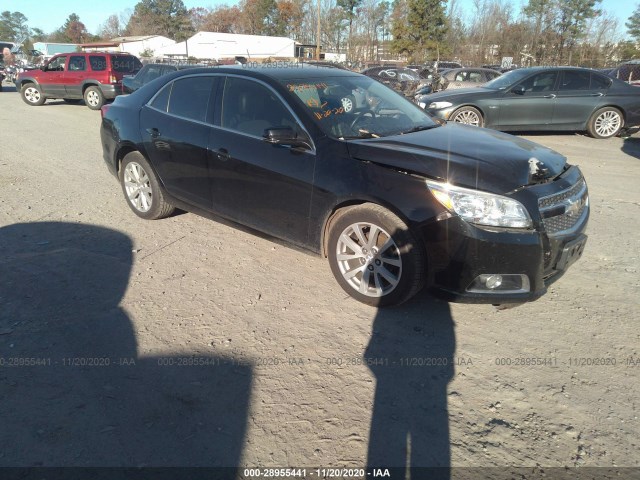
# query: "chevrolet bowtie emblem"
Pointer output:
{"type": "Point", "coordinates": [573, 207]}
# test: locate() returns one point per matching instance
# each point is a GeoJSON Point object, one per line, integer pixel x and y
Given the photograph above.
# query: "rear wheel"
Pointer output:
{"type": "Point", "coordinates": [374, 256]}
{"type": "Point", "coordinates": [32, 95]}
{"type": "Point", "coordinates": [468, 116]}
{"type": "Point", "coordinates": [93, 98]}
{"type": "Point", "coordinates": [605, 123]}
{"type": "Point", "coordinates": [142, 189]}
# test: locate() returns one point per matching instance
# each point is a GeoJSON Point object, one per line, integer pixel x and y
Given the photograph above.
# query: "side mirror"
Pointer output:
{"type": "Point", "coordinates": [518, 90]}
{"type": "Point", "coordinates": [285, 136]}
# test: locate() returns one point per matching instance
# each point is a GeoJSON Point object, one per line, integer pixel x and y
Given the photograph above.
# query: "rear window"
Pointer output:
{"type": "Point", "coordinates": [125, 63]}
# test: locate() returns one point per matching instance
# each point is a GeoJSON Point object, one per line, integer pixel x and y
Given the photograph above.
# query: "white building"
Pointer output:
{"type": "Point", "coordinates": [216, 46]}
{"type": "Point", "coordinates": [49, 49]}
{"type": "Point", "coordinates": [139, 44]}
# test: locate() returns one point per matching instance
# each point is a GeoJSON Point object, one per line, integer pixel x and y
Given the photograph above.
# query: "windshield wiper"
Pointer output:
{"type": "Point", "coordinates": [363, 134]}
{"type": "Point", "coordinates": [418, 129]}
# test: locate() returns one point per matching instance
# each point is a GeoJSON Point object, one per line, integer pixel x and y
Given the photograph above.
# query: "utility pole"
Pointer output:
{"type": "Point", "coordinates": [318, 34]}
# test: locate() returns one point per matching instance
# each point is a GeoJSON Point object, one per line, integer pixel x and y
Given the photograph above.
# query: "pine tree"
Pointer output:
{"type": "Point", "coordinates": [633, 24]}
{"type": "Point", "coordinates": [420, 32]}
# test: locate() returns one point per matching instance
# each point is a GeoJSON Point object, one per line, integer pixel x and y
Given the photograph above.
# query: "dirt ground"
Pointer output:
{"type": "Point", "coordinates": [186, 342]}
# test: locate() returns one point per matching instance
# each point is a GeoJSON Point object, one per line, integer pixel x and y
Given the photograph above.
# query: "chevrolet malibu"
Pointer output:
{"type": "Point", "coordinates": [393, 197]}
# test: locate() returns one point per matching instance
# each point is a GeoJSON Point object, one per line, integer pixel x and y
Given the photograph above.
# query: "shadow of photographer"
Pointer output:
{"type": "Point", "coordinates": [411, 354]}
{"type": "Point", "coordinates": [76, 389]}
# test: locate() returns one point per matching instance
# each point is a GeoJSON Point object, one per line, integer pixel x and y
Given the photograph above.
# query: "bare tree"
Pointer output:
{"type": "Point", "coordinates": [111, 28]}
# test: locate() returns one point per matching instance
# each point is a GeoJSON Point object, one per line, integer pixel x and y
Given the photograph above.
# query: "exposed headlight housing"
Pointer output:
{"type": "Point", "coordinates": [440, 105]}
{"type": "Point", "coordinates": [481, 208]}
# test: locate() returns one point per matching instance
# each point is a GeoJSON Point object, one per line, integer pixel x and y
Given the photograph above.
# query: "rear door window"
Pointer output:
{"type": "Point", "coordinates": [98, 62]}
{"type": "Point", "coordinates": [599, 82]}
{"type": "Point", "coordinates": [572, 80]}
{"type": "Point", "coordinates": [161, 100]}
{"type": "Point", "coordinates": [190, 97]}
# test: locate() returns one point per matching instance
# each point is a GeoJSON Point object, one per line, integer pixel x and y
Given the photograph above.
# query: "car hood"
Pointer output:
{"type": "Point", "coordinates": [463, 155]}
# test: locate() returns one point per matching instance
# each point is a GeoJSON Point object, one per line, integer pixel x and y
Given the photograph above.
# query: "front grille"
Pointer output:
{"type": "Point", "coordinates": [561, 211]}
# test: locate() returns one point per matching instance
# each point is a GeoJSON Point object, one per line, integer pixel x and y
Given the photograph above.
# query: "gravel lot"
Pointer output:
{"type": "Point", "coordinates": [186, 342]}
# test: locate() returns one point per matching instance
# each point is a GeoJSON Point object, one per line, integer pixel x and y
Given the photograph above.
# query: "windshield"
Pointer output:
{"type": "Point", "coordinates": [357, 107]}
{"type": "Point", "coordinates": [506, 80]}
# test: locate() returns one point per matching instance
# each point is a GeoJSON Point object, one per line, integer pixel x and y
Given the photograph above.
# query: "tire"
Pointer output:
{"type": "Point", "coordinates": [468, 116]}
{"type": "Point", "coordinates": [142, 189]}
{"type": "Point", "coordinates": [72, 101]}
{"type": "Point", "coordinates": [363, 268]}
{"type": "Point", "coordinates": [348, 103]}
{"type": "Point", "coordinates": [93, 98]}
{"type": "Point", "coordinates": [32, 95]}
{"type": "Point", "coordinates": [605, 123]}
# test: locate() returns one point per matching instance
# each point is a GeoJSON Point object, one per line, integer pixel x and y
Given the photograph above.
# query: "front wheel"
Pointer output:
{"type": "Point", "coordinates": [93, 98]}
{"type": "Point", "coordinates": [468, 116]}
{"type": "Point", "coordinates": [142, 189]}
{"type": "Point", "coordinates": [605, 123]}
{"type": "Point", "coordinates": [374, 256]}
{"type": "Point", "coordinates": [32, 95]}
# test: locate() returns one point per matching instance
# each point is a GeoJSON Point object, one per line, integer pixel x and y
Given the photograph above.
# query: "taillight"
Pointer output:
{"type": "Point", "coordinates": [113, 79]}
{"type": "Point", "coordinates": [104, 110]}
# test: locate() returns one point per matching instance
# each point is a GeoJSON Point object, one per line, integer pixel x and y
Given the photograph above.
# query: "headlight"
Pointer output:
{"type": "Point", "coordinates": [439, 105]}
{"type": "Point", "coordinates": [480, 207]}
{"type": "Point", "coordinates": [422, 105]}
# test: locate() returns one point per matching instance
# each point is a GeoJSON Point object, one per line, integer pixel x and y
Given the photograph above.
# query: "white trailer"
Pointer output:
{"type": "Point", "coordinates": [216, 46]}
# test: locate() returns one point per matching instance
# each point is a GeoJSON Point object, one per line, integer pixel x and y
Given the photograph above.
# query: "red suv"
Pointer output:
{"type": "Point", "coordinates": [93, 77]}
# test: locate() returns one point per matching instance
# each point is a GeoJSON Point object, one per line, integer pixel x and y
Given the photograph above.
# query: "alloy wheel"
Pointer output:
{"type": "Point", "coordinates": [32, 94]}
{"type": "Point", "coordinates": [467, 117]}
{"type": "Point", "coordinates": [93, 98]}
{"type": "Point", "coordinates": [369, 259]}
{"type": "Point", "coordinates": [138, 187]}
{"type": "Point", "coordinates": [607, 123]}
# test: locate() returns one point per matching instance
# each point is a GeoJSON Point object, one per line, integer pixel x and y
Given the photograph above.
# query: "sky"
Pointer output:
{"type": "Point", "coordinates": [49, 15]}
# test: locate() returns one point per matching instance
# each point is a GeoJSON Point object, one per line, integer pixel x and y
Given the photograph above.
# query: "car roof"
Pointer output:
{"type": "Point", "coordinates": [562, 67]}
{"type": "Point", "coordinates": [464, 69]}
{"type": "Point", "coordinates": [295, 71]}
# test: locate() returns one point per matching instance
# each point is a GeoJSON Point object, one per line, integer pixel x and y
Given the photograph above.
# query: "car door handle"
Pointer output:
{"type": "Point", "coordinates": [154, 132]}
{"type": "Point", "coordinates": [552, 95]}
{"type": "Point", "coordinates": [223, 154]}
{"type": "Point", "coordinates": [599, 94]}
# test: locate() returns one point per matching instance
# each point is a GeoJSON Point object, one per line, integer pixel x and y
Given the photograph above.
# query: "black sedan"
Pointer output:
{"type": "Point", "coordinates": [393, 197]}
{"type": "Point", "coordinates": [150, 72]}
{"type": "Point", "coordinates": [543, 98]}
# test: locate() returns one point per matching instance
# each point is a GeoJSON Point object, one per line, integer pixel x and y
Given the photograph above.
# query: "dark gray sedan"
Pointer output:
{"type": "Point", "coordinates": [543, 98]}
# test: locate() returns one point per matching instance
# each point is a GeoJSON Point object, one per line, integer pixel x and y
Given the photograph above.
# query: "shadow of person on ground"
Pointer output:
{"type": "Point", "coordinates": [631, 145]}
{"type": "Point", "coordinates": [76, 390]}
{"type": "Point", "coordinates": [411, 354]}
